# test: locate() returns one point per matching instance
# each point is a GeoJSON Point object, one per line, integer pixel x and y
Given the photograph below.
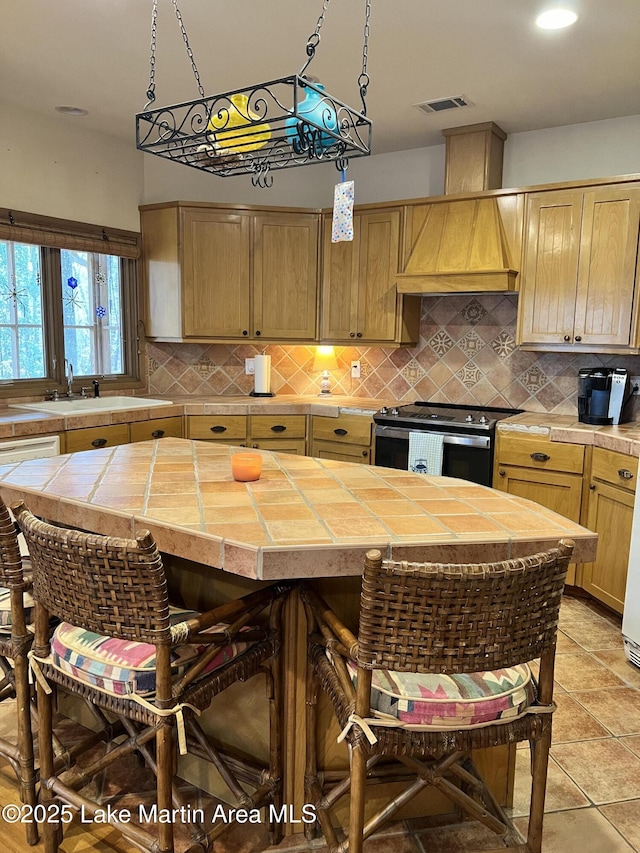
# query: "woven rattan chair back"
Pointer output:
{"type": "Point", "coordinates": [432, 617]}
{"type": "Point", "coordinates": [10, 558]}
{"type": "Point", "coordinates": [104, 584]}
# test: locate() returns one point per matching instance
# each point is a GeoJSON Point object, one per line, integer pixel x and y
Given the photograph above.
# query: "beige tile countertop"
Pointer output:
{"type": "Point", "coordinates": [15, 423]}
{"type": "Point", "coordinates": [303, 518]}
{"type": "Point", "coordinates": [624, 438]}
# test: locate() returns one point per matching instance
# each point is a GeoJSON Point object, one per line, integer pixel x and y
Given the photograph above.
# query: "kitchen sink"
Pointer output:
{"type": "Point", "coordinates": [87, 405]}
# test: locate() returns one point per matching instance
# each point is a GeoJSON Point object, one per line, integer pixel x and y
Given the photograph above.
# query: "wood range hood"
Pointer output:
{"type": "Point", "coordinates": [461, 245]}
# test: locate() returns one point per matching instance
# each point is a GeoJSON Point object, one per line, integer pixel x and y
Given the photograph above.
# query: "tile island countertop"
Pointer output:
{"type": "Point", "coordinates": [303, 518]}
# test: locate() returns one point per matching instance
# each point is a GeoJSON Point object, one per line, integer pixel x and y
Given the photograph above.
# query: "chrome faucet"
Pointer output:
{"type": "Point", "coordinates": [69, 373]}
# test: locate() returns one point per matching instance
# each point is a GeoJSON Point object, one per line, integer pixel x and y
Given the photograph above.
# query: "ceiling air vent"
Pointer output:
{"type": "Point", "coordinates": [441, 104]}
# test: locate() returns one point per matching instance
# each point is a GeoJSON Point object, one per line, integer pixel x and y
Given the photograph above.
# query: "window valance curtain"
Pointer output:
{"type": "Point", "coordinates": [64, 234]}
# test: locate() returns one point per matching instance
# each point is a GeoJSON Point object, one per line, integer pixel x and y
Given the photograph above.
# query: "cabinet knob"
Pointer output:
{"type": "Point", "coordinates": [245, 332]}
{"type": "Point", "coordinates": [567, 338]}
{"type": "Point", "coordinates": [218, 428]}
{"type": "Point", "coordinates": [340, 431]}
{"type": "Point", "coordinates": [592, 488]}
{"type": "Point", "coordinates": [258, 333]}
{"type": "Point", "coordinates": [98, 442]}
{"type": "Point", "coordinates": [255, 446]}
{"type": "Point", "coordinates": [540, 457]}
{"type": "Point", "coordinates": [278, 428]}
{"type": "Point", "coordinates": [578, 338]}
{"type": "Point", "coordinates": [625, 474]}
{"type": "Point", "coordinates": [502, 473]}
{"type": "Point", "coordinates": [352, 334]}
{"type": "Point", "coordinates": [359, 335]}
{"type": "Point", "coordinates": [365, 452]}
{"type": "Point", "coordinates": [157, 433]}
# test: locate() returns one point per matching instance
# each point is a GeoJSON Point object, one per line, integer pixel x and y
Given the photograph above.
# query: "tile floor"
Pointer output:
{"type": "Point", "coordinates": [593, 795]}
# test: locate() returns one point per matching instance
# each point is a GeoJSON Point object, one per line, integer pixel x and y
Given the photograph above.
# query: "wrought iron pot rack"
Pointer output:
{"type": "Point", "coordinates": [291, 121]}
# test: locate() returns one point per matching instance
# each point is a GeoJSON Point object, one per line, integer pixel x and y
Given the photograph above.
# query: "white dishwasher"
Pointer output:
{"type": "Point", "coordinates": [23, 449]}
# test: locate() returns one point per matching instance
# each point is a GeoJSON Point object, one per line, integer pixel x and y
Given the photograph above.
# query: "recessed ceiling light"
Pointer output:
{"type": "Point", "coordinates": [555, 19]}
{"type": "Point", "coordinates": [72, 111]}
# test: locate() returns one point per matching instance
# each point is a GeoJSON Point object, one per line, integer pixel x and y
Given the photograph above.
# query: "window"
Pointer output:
{"type": "Point", "coordinates": [63, 298]}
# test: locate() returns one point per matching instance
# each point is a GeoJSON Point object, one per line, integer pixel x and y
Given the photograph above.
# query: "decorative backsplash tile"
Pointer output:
{"type": "Point", "coordinates": [466, 354]}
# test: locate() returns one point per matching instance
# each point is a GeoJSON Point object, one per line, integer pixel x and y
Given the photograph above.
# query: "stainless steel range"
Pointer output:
{"type": "Point", "coordinates": [468, 436]}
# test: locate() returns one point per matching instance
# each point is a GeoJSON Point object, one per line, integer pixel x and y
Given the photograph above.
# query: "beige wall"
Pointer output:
{"type": "Point", "coordinates": [53, 165]}
{"type": "Point", "coordinates": [56, 167]}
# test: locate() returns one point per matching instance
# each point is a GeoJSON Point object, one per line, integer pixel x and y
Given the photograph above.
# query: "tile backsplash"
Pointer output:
{"type": "Point", "coordinates": [466, 354]}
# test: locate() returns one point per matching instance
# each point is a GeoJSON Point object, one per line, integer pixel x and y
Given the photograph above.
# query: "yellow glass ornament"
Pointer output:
{"type": "Point", "coordinates": [233, 130]}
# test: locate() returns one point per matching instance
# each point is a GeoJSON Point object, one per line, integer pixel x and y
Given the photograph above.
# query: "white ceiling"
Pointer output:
{"type": "Point", "coordinates": [95, 54]}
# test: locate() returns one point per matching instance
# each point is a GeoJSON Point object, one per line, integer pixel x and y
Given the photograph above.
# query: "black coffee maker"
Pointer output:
{"type": "Point", "coordinates": [604, 395]}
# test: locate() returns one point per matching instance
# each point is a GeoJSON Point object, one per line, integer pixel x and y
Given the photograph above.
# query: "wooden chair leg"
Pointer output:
{"type": "Point", "coordinates": [164, 758]}
{"type": "Point", "coordinates": [45, 747]}
{"type": "Point", "coordinates": [356, 808]}
{"type": "Point", "coordinates": [540, 764]}
{"type": "Point", "coordinates": [25, 742]}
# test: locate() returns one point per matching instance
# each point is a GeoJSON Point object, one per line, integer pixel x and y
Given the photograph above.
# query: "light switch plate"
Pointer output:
{"type": "Point", "coordinates": [635, 384]}
{"type": "Point", "coordinates": [355, 370]}
{"type": "Point", "coordinates": [249, 366]}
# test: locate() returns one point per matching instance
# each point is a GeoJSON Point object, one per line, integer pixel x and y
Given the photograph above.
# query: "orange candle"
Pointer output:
{"type": "Point", "coordinates": [246, 466]}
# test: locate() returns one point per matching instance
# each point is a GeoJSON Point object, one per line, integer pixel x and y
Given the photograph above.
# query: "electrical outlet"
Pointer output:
{"type": "Point", "coordinates": [355, 370]}
{"type": "Point", "coordinates": [635, 384]}
{"type": "Point", "coordinates": [249, 366]}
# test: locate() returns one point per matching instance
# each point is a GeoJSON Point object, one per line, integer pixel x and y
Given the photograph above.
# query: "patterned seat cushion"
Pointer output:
{"type": "Point", "coordinates": [5, 609]}
{"type": "Point", "coordinates": [123, 667]}
{"type": "Point", "coordinates": [451, 701]}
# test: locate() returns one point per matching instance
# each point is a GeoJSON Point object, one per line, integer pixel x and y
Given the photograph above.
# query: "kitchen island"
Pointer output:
{"type": "Point", "coordinates": [303, 519]}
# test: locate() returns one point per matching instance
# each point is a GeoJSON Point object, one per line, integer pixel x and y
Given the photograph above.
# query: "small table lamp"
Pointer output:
{"type": "Point", "coordinates": [325, 360]}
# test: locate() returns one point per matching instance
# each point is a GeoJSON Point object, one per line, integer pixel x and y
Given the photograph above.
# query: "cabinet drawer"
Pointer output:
{"type": "Point", "coordinates": [157, 428]}
{"type": "Point", "coordinates": [350, 429]}
{"type": "Point", "coordinates": [94, 437]}
{"type": "Point", "coordinates": [277, 426]}
{"type": "Point", "coordinates": [615, 468]}
{"type": "Point", "coordinates": [217, 427]}
{"type": "Point", "coordinates": [538, 452]}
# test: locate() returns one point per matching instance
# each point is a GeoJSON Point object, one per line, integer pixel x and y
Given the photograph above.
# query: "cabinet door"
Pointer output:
{"type": "Point", "coordinates": [610, 515]}
{"type": "Point", "coordinates": [340, 264]}
{"type": "Point", "coordinates": [607, 269]}
{"type": "Point", "coordinates": [341, 452]}
{"type": "Point", "coordinates": [549, 280]}
{"type": "Point", "coordinates": [215, 278]}
{"type": "Point", "coordinates": [559, 492]}
{"type": "Point", "coordinates": [377, 292]}
{"type": "Point", "coordinates": [285, 271]}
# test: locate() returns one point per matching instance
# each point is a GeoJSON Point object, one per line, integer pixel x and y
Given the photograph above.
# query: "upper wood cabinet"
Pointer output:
{"type": "Point", "coordinates": [359, 299]}
{"type": "Point", "coordinates": [580, 270]}
{"type": "Point", "coordinates": [223, 275]}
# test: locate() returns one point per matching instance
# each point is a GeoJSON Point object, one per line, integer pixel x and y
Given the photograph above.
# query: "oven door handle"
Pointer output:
{"type": "Point", "coordinates": [482, 441]}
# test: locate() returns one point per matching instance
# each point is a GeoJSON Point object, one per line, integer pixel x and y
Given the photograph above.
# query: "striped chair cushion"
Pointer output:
{"type": "Point", "coordinates": [451, 701]}
{"type": "Point", "coordinates": [5, 609]}
{"type": "Point", "coordinates": [123, 667]}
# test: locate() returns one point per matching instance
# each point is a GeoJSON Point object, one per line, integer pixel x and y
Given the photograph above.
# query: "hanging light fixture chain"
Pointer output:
{"type": "Point", "coordinates": [151, 89]}
{"type": "Point", "coordinates": [314, 39]}
{"type": "Point", "coordinates": [363, 79]}
{"type": "Point", "coordinates": [185, 38]}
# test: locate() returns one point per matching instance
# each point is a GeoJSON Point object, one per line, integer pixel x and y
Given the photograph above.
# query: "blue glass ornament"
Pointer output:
{"type": "Point", "coordinates": [100, 311]}
{"type": "Point", "coordinates": [72, 283]}
{"type": "Point", "coordinates": [320, 110]}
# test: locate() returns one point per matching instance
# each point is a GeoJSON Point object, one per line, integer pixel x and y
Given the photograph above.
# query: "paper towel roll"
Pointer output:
{"type": "Point", "coordinates": [262, 374]}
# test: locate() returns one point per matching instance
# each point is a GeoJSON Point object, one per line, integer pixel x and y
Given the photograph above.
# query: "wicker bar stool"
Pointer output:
{"type": "Point", "coordinates": [15, 642]}
{"type": "Point", "coordinates": [439, 668]}
{"type": "Point", "coordinates": [111, 594]}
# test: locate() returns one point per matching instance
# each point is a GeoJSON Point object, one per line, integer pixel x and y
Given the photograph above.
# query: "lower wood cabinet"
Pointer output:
{"type": "Point", "coordinates": [280, 433]}
{"type": "Point", "coordinates": [549, 473]}
{"type": "Point", "coordinates": [612, 487]}
{"type": "Point", "coordinates": [156, 428]}
{"type": "Point", "coordinates": [346, 438]}
{"type": "Point", "coordinates": [93, 438]}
